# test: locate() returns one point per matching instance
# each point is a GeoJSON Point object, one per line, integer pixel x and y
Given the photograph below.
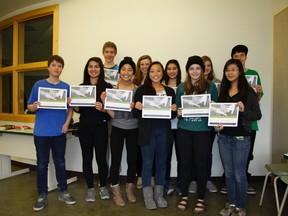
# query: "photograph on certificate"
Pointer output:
{"type": "Point", "coordinates": [156, 107]}
{"type": "Point", "coordinates": [252, 80]}
{"type": "Point", "coordinates": [117, 99]}
{"type": "Point", "coordinates": [223, 113]}
{"type": "Point", "coordinates": [82, 95]}
{"type": "Point", "coordinates": [195, 105]}
{"type": "Point", "coordinates": [111, 76]}
{"type": "Point", "coordinates": [51, 98]}
{"type": "Point", "coordinates": [218, 84]}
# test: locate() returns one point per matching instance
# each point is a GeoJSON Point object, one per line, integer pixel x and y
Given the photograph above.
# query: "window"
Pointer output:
{"type": "Point", "coordinates": [26, 42]}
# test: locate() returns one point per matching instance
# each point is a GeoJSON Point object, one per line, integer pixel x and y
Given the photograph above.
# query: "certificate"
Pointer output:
{"type": "Point", "coordinates": [223, 113]}
{"type": "Point", "coordinates": [111, 76]}
{"type": "Point", "coordinates": [52, 98]}
{"type": "Point", "coordinates": [252, 80]}
{"type": "Point", "coordinates": [83, 95]}
{"type": "Point", "coordinates": [158, 107]}
{"type": "Point", "coordinates": [117, 99]}
{"type": "Point", "coordinates": [195, 105]}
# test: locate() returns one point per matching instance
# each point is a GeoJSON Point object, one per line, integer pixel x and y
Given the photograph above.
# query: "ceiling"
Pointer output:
{"type": "Point", "coordinates": [8, 6]}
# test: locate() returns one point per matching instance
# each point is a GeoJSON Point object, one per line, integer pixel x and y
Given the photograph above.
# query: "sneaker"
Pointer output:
{"type": "Point", "coordinates": [67, 198]}
{"type": "Point", "coordinates": [90, 197]}
{"type": "Point", "coordinates": [168, 188]}
{"type": "Point", "coordinates": [193, 187]}
{"type": "Point", "coordinates": [41, 202]}
{"type": "Point", "coordinates": [104, 194]}
{"type": "Point", "coordinates": [211, 187]}
{"type": "Point", "coordinates": [239, 212]}
{"type": "Point", "coordinates": [228, 210]}
{"type": "Point", "coordinates": [251, 191]}
{"type": "Point", "coordinates": [223, 190]}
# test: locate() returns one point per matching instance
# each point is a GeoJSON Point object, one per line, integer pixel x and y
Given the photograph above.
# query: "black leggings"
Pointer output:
{"type": "Point", "coordinates": [117, 138]}
{"type": "Point", "coordinates": [94, 136]}
{"type": "Point", "coordinates": [194, 145]}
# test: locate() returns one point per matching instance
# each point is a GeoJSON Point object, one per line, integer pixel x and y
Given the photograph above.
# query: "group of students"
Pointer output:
{"type": "Point", "coordinates": [149, 141]}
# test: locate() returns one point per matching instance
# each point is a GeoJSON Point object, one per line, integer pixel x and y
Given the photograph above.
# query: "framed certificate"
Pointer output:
{"type": "Point", "coordinates": [111, 76]}
{"type": "Point", "coordinates": [52, 98]}
{"type": "Point", "coordinates": [83, 95]}
{"type": "Point", "coordinates": [158, 107]}
{"type": "Point", "coordinates": [223, 113]}
{"type": "Point", "coordinates": [117, 99]}
{"type": "Point", "coordinates": [195, 105]}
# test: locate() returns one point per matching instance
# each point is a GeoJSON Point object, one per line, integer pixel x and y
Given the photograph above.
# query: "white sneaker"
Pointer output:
{"type": "Point", "coordinates": [90, 197]}
{"type": "Point", "coordinates": [193, 187]}
{"type": "Point", "coordinates": [211, 187]}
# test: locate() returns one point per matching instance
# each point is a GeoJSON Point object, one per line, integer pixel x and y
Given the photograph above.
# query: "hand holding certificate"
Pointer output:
{"type": "Point", "coordinates": [157, 107]}
{"type": "Point", "coordinates": [51, 98]}
{"type": "Point", "coordinates": [225, 114]}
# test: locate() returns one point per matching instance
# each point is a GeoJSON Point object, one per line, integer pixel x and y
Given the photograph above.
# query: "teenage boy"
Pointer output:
{"type": "Point", "coordinates": [240, 52]}
{"type": "Point", "coordinates": [109, 52]}
{"type": "Point", "coordinates": [51, 126]}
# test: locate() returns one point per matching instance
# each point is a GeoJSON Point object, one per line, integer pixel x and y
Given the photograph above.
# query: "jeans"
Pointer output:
{"type": "Point", "coordinates": [156, 148]}
{"type": "Point", "coordinates": [58, 146]}
{"type": "Point", "coordinates": [234, 151]}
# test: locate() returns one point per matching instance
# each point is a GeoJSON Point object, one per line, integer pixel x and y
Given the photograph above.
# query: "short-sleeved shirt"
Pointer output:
{"type": "Point", "coordinates": [48, 122]}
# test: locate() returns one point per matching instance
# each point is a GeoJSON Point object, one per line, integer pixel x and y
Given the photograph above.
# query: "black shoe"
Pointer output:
{"type": "Point", "coordinates": [251, 191]}
{"type": "Point", "coordinates": [223, 190]}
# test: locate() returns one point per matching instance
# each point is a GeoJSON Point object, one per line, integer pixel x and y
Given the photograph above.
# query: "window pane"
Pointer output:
{"type": "Point", "coordinates": [6, 46]}
{"type": "Point", "coordinates": [26, 82]}
{"type": "Point", "coordinates": [6, 93]}
{"type": "Point", "coordinates": [35, 39]}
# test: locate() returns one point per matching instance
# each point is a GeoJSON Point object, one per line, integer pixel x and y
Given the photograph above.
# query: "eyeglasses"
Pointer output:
{"type": "Point", "coordinates": [233, 70]}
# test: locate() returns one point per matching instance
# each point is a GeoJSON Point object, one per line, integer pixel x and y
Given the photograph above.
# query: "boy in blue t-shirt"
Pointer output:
{"type": "Point", "coordinates": [51, 126]}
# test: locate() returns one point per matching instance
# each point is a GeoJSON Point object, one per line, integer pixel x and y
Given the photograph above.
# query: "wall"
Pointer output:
{"type": "Point", "coordinates": [280, 76]}
{"type": "Point", "coordinates": [174, 29]}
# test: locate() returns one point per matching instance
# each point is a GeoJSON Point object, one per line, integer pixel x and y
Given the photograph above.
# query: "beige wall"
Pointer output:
{"type": "Point", "coordinates": [279, 5]}
{"type": "Point", "coordinates": [168, 29]}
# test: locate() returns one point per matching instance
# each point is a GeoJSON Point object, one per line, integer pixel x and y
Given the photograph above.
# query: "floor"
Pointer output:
{"type": "Point", "coordinates": [18, 194]}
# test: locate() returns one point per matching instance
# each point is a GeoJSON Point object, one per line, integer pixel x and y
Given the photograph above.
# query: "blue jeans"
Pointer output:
{"type": "Point", "coordinates": [43, 145]}
{"type": "Point", "coordinates": [234, 151]}
{"type": "Point", "coordinates": [156, 148]}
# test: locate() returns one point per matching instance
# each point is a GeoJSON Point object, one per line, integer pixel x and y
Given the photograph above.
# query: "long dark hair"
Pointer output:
{"type": "Point", "coordinates": [148, 87]}
{"type": "Point", "coordinates": [101, 83]}
{"type": "Point", "coordinates": [166, 77]}
{"type": "Point", "coordinates": [243, 85]}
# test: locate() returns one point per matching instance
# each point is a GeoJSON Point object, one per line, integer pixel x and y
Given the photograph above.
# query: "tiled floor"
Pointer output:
{"type": "Point", "coordinates": [18, 194]}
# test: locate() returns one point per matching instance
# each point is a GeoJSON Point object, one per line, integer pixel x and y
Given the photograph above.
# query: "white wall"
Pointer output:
{"type": "Point", "coordinates": [168, 29]}
{"type": "Point", "coordinates": [174, 29]}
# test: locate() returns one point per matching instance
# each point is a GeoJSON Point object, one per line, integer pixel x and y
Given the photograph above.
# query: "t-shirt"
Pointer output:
{"type": "Point", "coordinates": [48, 122]}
